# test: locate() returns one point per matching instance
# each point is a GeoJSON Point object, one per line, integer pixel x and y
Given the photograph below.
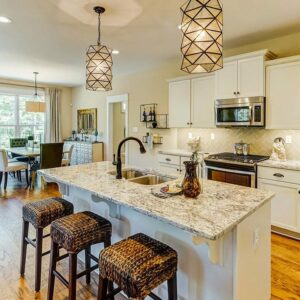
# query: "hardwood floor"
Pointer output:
{"type": "Point", "coordinates": [285, 255]}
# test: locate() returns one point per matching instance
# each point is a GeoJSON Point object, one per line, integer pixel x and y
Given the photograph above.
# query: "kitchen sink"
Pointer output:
{"type": "Point", "coordinates": [129, 173]}
{"type": "Point", "coordinates": [152, 179]}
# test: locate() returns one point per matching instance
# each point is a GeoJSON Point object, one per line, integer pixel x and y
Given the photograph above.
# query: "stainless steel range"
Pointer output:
{"type": "Point", "coordinates": [232, 168]}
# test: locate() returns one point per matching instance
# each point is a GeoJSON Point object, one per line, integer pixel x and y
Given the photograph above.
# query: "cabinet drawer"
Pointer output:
{"type": "Point", "coordinates": [281, 175]}
{"type": "Point", "coordinates": [169, 159]}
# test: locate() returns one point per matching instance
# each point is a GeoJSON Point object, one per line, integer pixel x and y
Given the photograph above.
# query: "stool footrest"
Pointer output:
{"type": "Point", "coordinates": [87, 271]}
{"type": "Point", "coordinates": [62, 257]}
{"type": "Point", "coordinates": [154, 297]}
{"type": "Point", "coordinates": [114, 292]}
{"type": "Point", "coordinates": [94, 258]}
{"type": "Point", "coordinates": [61, 278]}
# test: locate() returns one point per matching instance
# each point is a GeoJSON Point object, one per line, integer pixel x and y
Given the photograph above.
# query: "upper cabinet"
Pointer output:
{"type": "Point", "coordinates": [242, 76]}
{"type": "Point", "coordinates": [191, 102]}
{"type": "Point", "coordinates": [283, 93]}
{"type": "Point", "coordinates": [179, 103]}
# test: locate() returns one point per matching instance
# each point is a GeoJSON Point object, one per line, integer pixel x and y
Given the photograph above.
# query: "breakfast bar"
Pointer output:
{"type": "Point", "coordinates": [222, 237]}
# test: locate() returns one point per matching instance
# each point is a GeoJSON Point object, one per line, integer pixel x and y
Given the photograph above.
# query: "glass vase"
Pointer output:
{"type": "Point", "coordinates": [191, 186]}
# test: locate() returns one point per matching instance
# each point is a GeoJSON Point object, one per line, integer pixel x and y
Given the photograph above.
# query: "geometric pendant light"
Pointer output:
{"type": "Point", "coordinates": [35, 105]}
{"type": "Point", "coordinates": [99, 62]}
{"type": "Point", "coordinates": [202, 43]}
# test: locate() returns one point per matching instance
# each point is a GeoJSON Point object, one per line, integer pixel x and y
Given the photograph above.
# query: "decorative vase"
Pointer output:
{"type": "Point", "coordinates": [191, 186]}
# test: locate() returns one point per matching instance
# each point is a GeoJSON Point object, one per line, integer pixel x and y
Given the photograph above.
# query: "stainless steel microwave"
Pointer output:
{"type": "Point", "coordinates": [247, 112]}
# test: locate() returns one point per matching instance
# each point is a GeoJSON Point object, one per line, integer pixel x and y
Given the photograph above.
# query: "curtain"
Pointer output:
{"type": "Point", "coordinates": [53, 115]}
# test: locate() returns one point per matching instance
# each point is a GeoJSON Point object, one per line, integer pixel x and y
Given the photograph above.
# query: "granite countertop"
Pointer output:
{"type": "Point", "coordinates": [215, 212]}
{"type": "Point", "coordinates": [288, 164]}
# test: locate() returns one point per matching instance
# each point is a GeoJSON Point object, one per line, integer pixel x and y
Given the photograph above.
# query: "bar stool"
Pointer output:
{"type": "Point", "coordinates": [75, 233]}
{"type": "Point", "coordinates": [137, 265]}
{"type": "Point", "coordinates": [40, 214]}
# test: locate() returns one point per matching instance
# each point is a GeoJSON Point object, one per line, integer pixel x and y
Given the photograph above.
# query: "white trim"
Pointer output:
{"type": "Point", "coordinates": [111, 100]}
{"type": "Point", "coordinates": [284, 60]}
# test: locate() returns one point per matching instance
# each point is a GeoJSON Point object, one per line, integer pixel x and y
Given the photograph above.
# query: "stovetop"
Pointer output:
{"type": "Point", "coordinates": [237, 159]}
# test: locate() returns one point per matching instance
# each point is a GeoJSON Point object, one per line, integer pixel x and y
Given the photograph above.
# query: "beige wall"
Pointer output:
{"type": "Point", "coordinates": [146, 87]}
{"type": "Point", "coordinates": [66, 103]}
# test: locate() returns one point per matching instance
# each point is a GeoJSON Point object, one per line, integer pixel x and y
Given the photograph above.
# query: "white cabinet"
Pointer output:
{"type": "Point", "coordinates": [202, 102]}
{"type": "Point", "coordinates": [243, 77]}
{"type": "Point", "coordinates": [179, 103]}
{"type": "Point", "coordinates": [286, 203]}
{"type": "Point", "coordinates": [283, 95]}
{"type": "Point", "coordinates": [191, 102]}
{"type": "Point", "coordinates": [226, 81]}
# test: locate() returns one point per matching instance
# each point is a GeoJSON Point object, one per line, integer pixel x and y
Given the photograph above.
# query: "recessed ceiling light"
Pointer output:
{"type": "Point", "coordinates": [115, 52]}
{"type": "Point", "coordinates": [179, 26]}
{"type": "Point", "coordinates": [5, 20]}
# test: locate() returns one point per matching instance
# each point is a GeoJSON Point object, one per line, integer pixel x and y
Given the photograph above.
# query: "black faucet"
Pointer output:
{"type": "Point", "coordinates": [119, 161]}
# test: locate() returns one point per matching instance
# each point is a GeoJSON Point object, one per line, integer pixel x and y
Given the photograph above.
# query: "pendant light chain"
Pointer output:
{"type": "Point", "coordinates": [35, 85]}
{"type": "Point", "coordinates": [99, 29]}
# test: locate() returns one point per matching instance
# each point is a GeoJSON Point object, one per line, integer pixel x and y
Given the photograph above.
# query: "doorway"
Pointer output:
{"type": "Point", "coordinates": [117, 125]}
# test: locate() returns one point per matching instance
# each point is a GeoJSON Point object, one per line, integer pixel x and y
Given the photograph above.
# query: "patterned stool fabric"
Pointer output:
{"type": "Point", "coordinates": [76, 232]}
{"type": "Point", "coordinates": [138, 264]}
{"type": "Point", "coordinates": [40, 214]}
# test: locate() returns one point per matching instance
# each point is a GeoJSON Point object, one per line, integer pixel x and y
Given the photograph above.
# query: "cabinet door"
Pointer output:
{"type": "Point", "coordinates": [179, 103]}
{"type": "Point", "coordinates": [202, 102]}
{"type": "Point", "coordinates": [285, 204]}
{"type": "Point", "coordinates": [283, 94]}
{"type": "Point", "coordinates": [251, 79]}
{"type": "Point", "coordinates": [226, 81]}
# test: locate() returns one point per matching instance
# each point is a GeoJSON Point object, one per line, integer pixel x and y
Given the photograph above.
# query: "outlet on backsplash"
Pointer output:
{"type": "Point", "coordinates": [289, 139]}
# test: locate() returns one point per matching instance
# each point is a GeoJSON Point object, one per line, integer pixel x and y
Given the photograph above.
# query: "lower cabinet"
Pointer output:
{"type": "Point", "coordinates": [84, 153]}
{"type": "Point", "coordinates": [286, 203]}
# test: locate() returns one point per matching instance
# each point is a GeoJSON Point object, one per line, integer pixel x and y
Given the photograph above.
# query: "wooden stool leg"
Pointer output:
{"type": "Point", "coordinates": [52, 267]}
{"type": "Point", "coordinates": [107, 243]}
{"type": "Point", "coordinates": [24, 247]}
{"type": "Point", "coordinates": [172, 288]}
{"type": "Point", "coordinates": [88, 263]}
{"type": "Point", "coordinates": [102, 288]}
{"type": "Point", "coordinates": [5, 180]}
{"type": "Point", "coordinates": [38, 258]}
{"type": "Point", "coordinates": [72, 275]}
{"type": "Point", "coordinates": [1, 175]}
{"type": "Point", "coordinates": [26, 173]}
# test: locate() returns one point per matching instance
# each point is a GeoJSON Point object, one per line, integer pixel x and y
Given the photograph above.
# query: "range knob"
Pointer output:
{"type": "Point", "coordinates": [251, 161]}
{"type": "Point", "coordinates": [245, 160]}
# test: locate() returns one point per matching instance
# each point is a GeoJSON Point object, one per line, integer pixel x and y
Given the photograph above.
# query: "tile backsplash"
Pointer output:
{"type": "Point", "coordinates": [260, 140]}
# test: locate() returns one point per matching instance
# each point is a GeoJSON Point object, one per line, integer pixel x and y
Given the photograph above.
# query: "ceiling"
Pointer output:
{"type": "Point", "coordinates": [51, 36]}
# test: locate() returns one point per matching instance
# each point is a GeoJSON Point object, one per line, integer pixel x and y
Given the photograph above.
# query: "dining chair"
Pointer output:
{"type": "Point", "coordinates": [7, 167]}
{"type": "Point", "coordinates": [67, 156]}
{"type": "Point", "coordinates": [50, 157]}
{"type": "Point", "coordinates": [20, 143]}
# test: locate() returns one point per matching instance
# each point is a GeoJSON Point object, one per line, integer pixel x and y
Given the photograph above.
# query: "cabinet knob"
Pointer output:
{"type": "Point", "coordinates": [168, 159]}
{"type": "Point", "coordinates": [188, 123]}
{"type": "Point", "coordinates": [234, 93]}
{"type": "Point", "coordinates": [238, 93]}
{"type": "Point", "coordinates": [298, 191]}
{"type": "Point", "coordinates": [279, 175]}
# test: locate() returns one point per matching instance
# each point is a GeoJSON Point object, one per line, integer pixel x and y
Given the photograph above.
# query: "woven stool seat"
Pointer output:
{"type": "Point", "coordinates": [76, 232]}
{"type": "Point", "coordinates": [41, 213]}
{"type": "Point", "coordinates": [138, 264]}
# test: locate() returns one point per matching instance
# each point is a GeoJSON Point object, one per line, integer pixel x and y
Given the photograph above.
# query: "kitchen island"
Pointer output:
{"type": "Point", "coordinates": [222, 237]}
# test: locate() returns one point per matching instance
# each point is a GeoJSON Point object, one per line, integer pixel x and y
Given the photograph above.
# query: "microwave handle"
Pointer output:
{"type": "Point", "coordinates": [251, 114]}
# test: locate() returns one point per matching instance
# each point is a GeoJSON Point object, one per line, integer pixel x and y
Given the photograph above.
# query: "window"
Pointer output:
{"type": "Point", "coordinates": [15, 121]}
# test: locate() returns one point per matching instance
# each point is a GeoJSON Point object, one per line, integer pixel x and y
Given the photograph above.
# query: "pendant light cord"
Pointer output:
{"type": "Point", "coordinates": [35, 85]}
{"type": "Point", "coordinates": [99, 29]}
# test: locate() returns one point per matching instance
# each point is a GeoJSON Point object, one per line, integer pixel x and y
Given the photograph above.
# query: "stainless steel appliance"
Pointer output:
{"type": "Point", "coordinates": [232, 168]}
{"type": "Point", "coordinates": [239, 112]}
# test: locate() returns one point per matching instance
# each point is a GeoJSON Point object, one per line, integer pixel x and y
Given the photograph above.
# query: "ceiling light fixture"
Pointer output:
{"type": "Point", "coordinates": [99, 62]}
{"type": "Point", "coordinates": [5, 20]}
{"type": "Point", "coordinates": [35, 105]}
{"type": "Point", "coordinates": [202, 43]}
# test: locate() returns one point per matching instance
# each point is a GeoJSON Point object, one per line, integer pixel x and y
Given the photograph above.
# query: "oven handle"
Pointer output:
{"type": "Point", "coordinates": [230, 170]}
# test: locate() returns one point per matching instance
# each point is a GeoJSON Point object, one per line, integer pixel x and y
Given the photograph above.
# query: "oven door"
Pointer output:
{"type": "Point", "coordinates": [242, 178]}
{"type": "Point", "coordinates": [237, 115]}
